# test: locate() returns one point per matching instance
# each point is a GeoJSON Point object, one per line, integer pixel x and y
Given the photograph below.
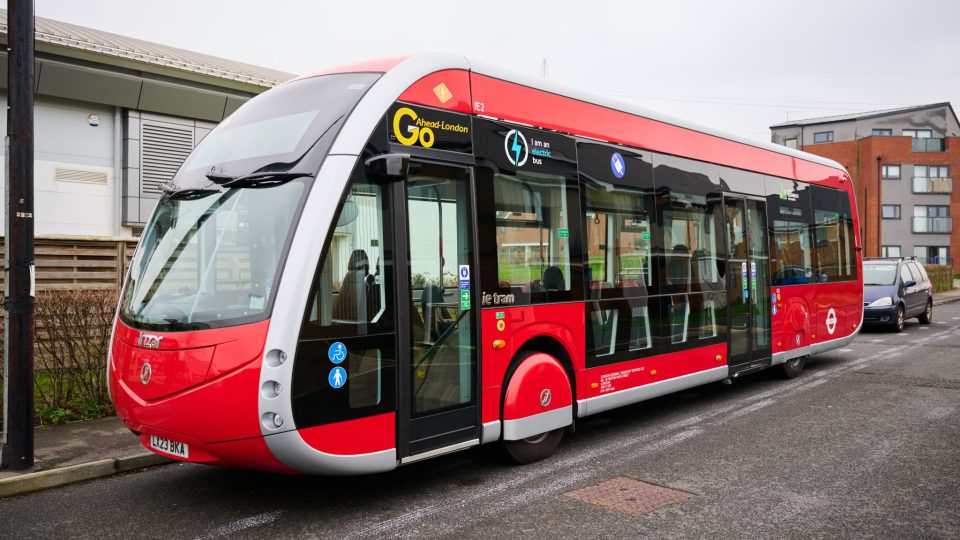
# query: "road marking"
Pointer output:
{"type": "Point", "coordinates": [246, 523]}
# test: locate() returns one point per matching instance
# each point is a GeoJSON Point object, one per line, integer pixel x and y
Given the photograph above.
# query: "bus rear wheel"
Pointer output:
{"type": "Point", "coordinates": [791, 369]}
{"type": "Point", "coordinates": [535, 448]}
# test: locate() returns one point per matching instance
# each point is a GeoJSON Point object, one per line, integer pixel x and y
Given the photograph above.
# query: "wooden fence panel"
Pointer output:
{"type": "Point", "coordinates": [64, 263]}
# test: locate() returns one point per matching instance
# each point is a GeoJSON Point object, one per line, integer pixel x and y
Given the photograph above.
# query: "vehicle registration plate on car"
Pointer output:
{"type": "Point", "coordinates": [167, 446]}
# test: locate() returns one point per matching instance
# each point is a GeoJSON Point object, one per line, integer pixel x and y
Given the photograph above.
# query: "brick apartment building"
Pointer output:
{"type": "Point", "coordinates": [901, 162]}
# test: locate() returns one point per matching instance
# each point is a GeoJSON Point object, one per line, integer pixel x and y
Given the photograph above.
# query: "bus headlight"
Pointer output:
{"type": "Point", "coordinates": [880, 302]}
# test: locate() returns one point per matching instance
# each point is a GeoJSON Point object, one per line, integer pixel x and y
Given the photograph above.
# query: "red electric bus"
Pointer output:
{"type": "Point", "coordinates": [373, 265]}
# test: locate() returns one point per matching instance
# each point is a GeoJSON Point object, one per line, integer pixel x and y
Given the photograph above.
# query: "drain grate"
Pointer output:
{"type": "Point", "coordinates": [629, 496]}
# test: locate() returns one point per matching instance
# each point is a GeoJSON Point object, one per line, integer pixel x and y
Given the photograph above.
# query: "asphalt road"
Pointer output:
{"type": "Point", "coordinates": [866, 443]}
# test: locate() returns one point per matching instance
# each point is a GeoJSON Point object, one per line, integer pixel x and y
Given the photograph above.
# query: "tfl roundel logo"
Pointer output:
{"type": "Point", "coordinates": [515, 145]}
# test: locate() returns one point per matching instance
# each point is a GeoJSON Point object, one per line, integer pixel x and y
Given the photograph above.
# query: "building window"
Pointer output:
{"type": "Point", "coordinates": [890, 172]}
{"type": "Point", "coordinates": [918, 133]}
{"type": "Point", "coordinates": [890, 251]}
{"type": "Point", "coordinates": [790, 143]}
{"type": "Point", "coordinates": [931, 211]}
{"type": "Point", "coordinates": [931, 171]}
{"type": "Point", "coordinates": [882, 132]}
{"type": "Point", "coordinates": [932, 254]}
{"type": "Point", "coordinates": [890, 211]}
{"type": "Point", "coordinates": [823, 137]}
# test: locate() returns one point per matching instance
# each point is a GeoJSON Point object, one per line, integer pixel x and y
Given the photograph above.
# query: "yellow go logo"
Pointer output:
{"type": "Point", "coordinates": [414, 132]}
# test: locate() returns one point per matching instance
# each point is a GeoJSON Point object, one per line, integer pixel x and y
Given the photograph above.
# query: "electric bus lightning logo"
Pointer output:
{"type": "Point", "coordinates": [515, 145]}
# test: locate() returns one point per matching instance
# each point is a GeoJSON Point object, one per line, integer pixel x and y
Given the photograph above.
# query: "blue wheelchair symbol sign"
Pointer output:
{"type": "Point", "coordinates": [337, 353]}
{"type": "Point", "coordinates": [617, 165]}
{"type": "Point", "coordinates": [337, 377]}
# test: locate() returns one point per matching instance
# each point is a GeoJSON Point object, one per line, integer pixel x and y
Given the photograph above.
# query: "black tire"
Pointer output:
{"type": "Point", "coordinates": [899, 320]}
{"type": "Point", "coordinates": [534, 448]}
{"type": "Point", "coordinates": [927, 316]}
{"type": "Point", "coordinates": [791, 369]}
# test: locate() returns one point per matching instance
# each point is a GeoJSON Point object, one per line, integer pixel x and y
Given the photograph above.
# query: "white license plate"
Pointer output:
{"type": "Point", "coordinates": [174, 448]}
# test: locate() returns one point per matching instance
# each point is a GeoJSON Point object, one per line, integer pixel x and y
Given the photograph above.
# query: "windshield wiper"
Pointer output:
{"type": "Point", "coordinates": [192, 193]}
{"type": "Point", "coordinates": [254, 178]}
{"type": "Point", "coordinates": [265, 177]}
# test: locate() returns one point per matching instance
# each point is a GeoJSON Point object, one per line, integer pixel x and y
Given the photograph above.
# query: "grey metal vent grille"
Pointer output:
{"type": "Point", "coordinates": [64, 174]}
{"type": "Point", "coordinates": [164, 148]}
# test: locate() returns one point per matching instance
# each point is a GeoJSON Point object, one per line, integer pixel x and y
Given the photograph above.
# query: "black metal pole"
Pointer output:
{"type": "Point", "coordinates": [17, 451]}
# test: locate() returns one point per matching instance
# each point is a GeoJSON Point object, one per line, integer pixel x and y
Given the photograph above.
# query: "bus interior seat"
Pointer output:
{"type": "Point", "coordinates": [553, 279]}
{"type": "Point", "coordinates": [351, 303]}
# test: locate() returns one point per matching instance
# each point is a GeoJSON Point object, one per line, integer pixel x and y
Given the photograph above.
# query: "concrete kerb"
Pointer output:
{"type": "Point", "coordinates": [947, 300]}
{"type": "Point", "coordinates": [37, 481]}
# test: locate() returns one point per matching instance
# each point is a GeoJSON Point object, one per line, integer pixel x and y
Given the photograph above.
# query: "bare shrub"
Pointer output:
{"type": "Point", "coordinates": [73, 336]}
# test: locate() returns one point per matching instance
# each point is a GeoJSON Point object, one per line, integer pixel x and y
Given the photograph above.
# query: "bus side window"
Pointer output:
{"type": "Point", "coordinates": [789, 215]}
{"type": "Point", "coordinates": [616, 188]}
{"type": "Point", "coordinates": [349, 318]}
{"type": "Point", "coordinates": [690, 211]}
{"type": "Point", "coordinates": [833, 242]}
{"type": "Point", "coordinates": [528, 215]}
{"type": "Point", "coordinates": [532, 233]}
{"type": "Point", "coordinates": [848, 242]}
{"type": "Point", "coordinates": [350, 295]}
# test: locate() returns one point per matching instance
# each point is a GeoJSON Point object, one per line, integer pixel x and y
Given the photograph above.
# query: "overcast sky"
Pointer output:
{"type": "Point", "coordinates": [739, 69]}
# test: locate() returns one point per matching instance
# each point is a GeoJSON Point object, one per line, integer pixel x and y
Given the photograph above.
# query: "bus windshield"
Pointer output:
{"type": "Point", "coordinates": [210, 259]}
{"type": "Point", "coordinates": [276, 127]}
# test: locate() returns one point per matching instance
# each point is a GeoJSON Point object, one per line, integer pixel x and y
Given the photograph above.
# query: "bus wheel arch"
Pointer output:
{"type": "Point", "coordinates": [536, 405]}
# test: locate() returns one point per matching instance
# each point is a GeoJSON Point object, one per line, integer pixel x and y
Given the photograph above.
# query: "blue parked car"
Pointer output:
{"type": "Point", "coordinates": [896, 289]}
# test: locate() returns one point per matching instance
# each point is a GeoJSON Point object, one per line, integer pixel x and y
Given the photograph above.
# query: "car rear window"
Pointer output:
{"type": "Point", "coordinates": [919, 271]}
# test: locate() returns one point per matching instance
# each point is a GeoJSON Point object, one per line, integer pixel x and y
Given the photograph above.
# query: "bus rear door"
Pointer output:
{"type": "Point", "coordinates": [748, 284]}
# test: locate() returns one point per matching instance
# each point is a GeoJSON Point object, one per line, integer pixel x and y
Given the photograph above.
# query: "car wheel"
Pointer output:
{"type": "Point", "coordinates": [533, 448]}
{"type": "Point", "coordinates": [899, 320]}
{"type": "Point", "coordinates": [927, 316]}
{"type": "Point", "coordinates": [791, 369]}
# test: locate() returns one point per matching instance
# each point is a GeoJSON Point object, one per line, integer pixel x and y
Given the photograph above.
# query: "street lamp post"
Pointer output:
{"type": "Point", "coordinates": [17, 450]}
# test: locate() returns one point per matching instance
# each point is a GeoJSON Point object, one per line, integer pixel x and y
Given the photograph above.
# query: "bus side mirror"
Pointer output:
{"type": "Point", "coordinates": [388, 167]}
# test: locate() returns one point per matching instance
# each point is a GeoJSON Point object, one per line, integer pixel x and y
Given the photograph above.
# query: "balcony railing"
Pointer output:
{"type": "Point", "coordinates": [939, 225]}
{"type": "Point", "coordinates": [923, 184]}
{"type": "Point", "coordinates": [929, 145]}
{"type": "Point", "coordinates": [947, 261]}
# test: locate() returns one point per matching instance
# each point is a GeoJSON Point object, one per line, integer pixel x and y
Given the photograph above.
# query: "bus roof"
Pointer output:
{"type": "Point", "coordinates": [403, 71]}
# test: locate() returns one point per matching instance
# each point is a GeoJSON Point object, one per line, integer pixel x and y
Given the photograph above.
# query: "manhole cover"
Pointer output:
{"type": "Point", "coordinates": [629, 496]}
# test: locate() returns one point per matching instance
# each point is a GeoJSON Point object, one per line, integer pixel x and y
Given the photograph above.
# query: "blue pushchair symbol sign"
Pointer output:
{"type": "Point", "coordinates": [337, 377]}
{"type": "Point", "coordinates": [337, 353]}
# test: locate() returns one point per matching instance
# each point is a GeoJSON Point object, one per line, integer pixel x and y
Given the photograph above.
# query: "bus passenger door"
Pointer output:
{"type": "Point", "coordinates": [748, 284]}
{"type": "Point", "coordinates": [439, 322]}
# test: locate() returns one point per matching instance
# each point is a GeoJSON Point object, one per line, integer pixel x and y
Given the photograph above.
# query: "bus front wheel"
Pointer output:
{"type": "Point", "coordinates": [534, 448]}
